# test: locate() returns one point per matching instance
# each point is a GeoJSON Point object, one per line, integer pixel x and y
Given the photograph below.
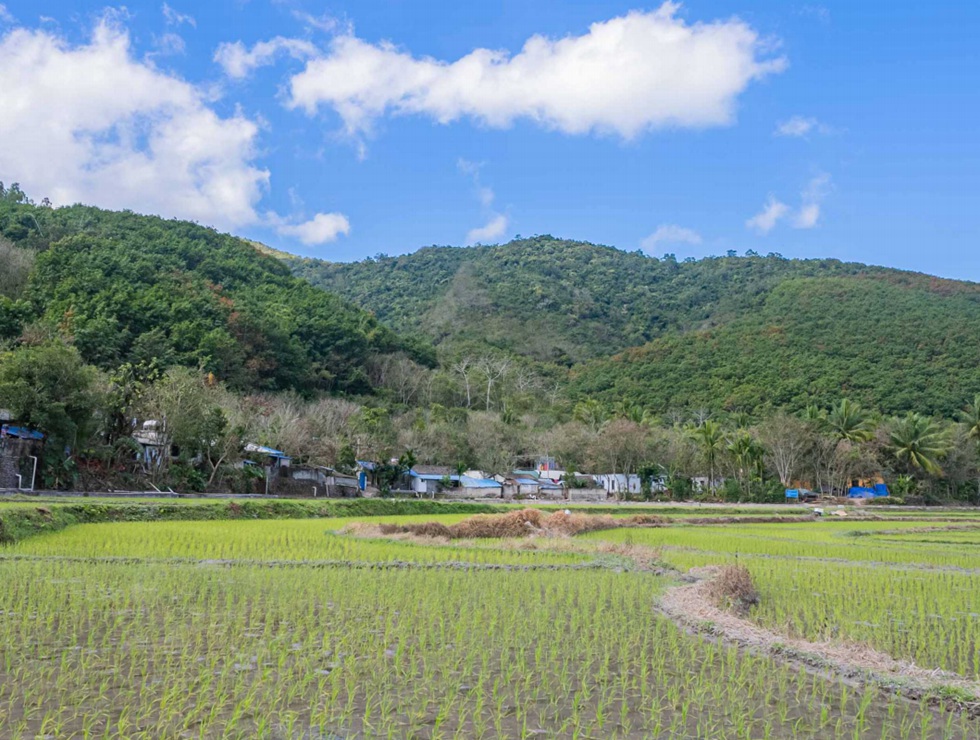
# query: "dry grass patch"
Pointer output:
{"type": "Point", "coordinates": [732, 588]}
{"type": "Point", "coordinates": [523, 523]}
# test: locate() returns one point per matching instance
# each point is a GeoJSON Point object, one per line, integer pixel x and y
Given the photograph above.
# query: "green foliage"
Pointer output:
{"type": "Point", "coordinates": [50, 388]}
{"type": "Point", "coordinates": [892, 342]}
{"type": "Point", "coordinates": [556, 300]}
{"type": "Point", "coordinates": [748, 333]}
{"type": "Point", "coordinates": [918, 443]}
{"type": "Point", "coordinates": [130, 288]}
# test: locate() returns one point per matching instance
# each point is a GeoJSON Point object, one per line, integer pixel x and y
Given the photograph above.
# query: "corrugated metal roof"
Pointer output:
{"type": "Point", "coordinates": [9, 430]}
{"type": "Point", "coordinates": [432, 476]}
{"type": "Point", "coordinates": [252, 447]}
{"type": "Point", "coordinates": [468, 482]}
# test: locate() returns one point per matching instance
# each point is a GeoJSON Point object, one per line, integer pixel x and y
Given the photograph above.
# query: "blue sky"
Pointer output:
{"type": "Point", "coordinates": [343, 130]}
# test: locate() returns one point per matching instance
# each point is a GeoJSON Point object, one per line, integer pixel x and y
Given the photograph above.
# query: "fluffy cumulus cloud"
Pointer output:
{"type": "Point", "coordinates": [322, 228]}
{"type": "Point", "coordinates": [625, 76]}
{"type": "Point", "coordinates": [670, 234]}
{"type": "Point", "coordinates": [92, 123]}
{"type": "Point", "coordinates": [489, 232]}
{"type": "Point", "coordinates": [239, 62]}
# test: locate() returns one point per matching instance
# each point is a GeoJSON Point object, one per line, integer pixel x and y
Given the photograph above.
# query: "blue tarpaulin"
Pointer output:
{"type": "Point", "coordinates": [878, 490]}
{"type": "Point", "coordinates": [11, 430]}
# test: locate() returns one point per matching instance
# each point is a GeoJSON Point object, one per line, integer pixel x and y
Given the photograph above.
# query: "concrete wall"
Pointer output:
{"type": "Point", "coordinates": [587, 494]}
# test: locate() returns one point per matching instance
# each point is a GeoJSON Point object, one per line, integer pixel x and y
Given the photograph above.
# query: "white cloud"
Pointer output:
{"type": "Point", "coordinates": [322, 228]}
{"type": "Point", "coordinates": [812, 196]}
{"type": "Point", "coordinates": [625, 76]}
{"type": "Point", "coordinates": [764, 221]}
{"type": "Point", "coordinates": [174, 18]}
{"type": "Point", "coordinates": [807, 216]}
{"type": "Point", "coordinates": [239, 62]}
{"type": "Point", "coordinates": [169, 44]}
{"type": "Point", "coordinates": [498, 223]}
{"type": "Point", "coordinates": [6, 16]}
{"type": "Point", "coordinates": [325, 23]}
{"type": "Point", "coordinates": [801, 127]}
{"type": "Point", "coordinates": [90, 123]}
{"type": "Point", "coordinates": [491, 231]}
{"type": "Point", "coordinates": [484, 194]}
{"type": "Point", "coordinates": [670, 234]}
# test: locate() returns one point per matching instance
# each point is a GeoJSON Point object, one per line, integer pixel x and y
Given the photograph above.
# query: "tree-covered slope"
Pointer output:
{"type": "Point", "coordinates": [129, 288]}
{"type": "Point", "coordinates": [729, 331]}
{"type": "Point", "coordinates": [892, 346]}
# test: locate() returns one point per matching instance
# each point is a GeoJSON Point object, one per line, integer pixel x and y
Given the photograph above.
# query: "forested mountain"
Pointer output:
{"type": "Point", "coordinates": [729, 332]}
{"type": "Point", "coordinates": [126, 288]}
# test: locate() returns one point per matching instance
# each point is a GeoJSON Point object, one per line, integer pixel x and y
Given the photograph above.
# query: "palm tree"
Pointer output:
{"type": "Point", "coordinates": [710, 438]}
{"type": "Point", "coordinates": [919, 443]}
{"type": "Point", "coordinates": [848, 421]}
{"type": "Point", "coordinates": [590, 412]}
{"type": "Point", "coordinates": [743, 449]}
{"type": "Point", "coordinates": [631, 411]}
{"type": "Point", "coordinates": [970, 416]}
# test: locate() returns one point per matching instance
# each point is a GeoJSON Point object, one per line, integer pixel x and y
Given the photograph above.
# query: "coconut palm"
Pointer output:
{"type": "Point", "coordinates": [848, 421]}
{"type": "Point", "coordinates": [590, 412]}
{"type": "Point", "coordinates": [710, 439]}
{"type": "Point", "coordinates": [745, 452]}
{"type": "Point", "coordinates": [918, 442]}
{"type": "Point", "coordinates": [970, 416]}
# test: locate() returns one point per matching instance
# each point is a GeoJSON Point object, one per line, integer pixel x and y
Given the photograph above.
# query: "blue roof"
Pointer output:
{"type": "Point", "coordinates": [366, 464]}
{"type": "Point", "coordinates": [10, 430]}
{"type": "Point", "coordinates": [527, 481]}
{"type": "Point", "coordinates": [269, 451]}
{"type": "Point", "coordinates": [433, 476]}
{"type": "Point", "coordinates": [468, 482]}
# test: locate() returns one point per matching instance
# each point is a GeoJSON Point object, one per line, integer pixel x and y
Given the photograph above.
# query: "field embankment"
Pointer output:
{"type": "Point", "coordinates": [21, 520]}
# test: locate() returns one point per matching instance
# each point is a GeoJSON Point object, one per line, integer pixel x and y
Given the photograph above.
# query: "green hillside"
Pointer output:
{"type": "Point", "coordinates": [815, 340]}
{"type": "Point", "coordinates": [129, 288]}
{"type": "Point", "coordinates": [727, 332]}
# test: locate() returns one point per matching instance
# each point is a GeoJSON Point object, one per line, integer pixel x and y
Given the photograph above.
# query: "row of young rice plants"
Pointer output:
{"type": "Point", "coordinates": [151, 650]}
{"type": "Point", "coordinates": [914, 596]}
{"type": "Point", "coordinates": [268, 540]}
{"type": "Point", "coordinates": [828, 540]}
{"type": "Point", "coordinates": [927, 616]}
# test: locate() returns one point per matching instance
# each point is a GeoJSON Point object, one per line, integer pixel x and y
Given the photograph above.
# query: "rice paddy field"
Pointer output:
{"type": "Point", "coordinates": [316, 629]}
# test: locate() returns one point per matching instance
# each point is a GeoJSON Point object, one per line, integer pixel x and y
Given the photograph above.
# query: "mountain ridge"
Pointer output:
{"type": "Point", "coordinates": [620, 320]}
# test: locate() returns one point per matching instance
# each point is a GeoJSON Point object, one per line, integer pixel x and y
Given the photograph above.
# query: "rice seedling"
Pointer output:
{"type": "Point", "coordinates": [286, 629]}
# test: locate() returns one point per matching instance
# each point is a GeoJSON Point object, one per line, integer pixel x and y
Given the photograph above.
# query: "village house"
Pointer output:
{"type": "Point", "coordinates": [20, 448]}
{"type": "Point", "coordinates": [274, 464]}
{"type": "Point", "coordinates": [428, 480]}
{"type": "Point", "coordinates": [323, 481]}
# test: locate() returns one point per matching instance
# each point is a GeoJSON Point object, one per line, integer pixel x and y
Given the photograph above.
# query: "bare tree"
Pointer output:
{"type": "Point", "coordinates": [493, 369]}
{"type": "Point", "coordinates": [786, 440]}
{"type": "Point", "coordinates": [464, 367]}
{"type": "Point", "coordinates": [403, 377]}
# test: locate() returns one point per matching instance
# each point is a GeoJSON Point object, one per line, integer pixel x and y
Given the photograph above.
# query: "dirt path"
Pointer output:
{"type": "Point", "coordinates": [691, 607]}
